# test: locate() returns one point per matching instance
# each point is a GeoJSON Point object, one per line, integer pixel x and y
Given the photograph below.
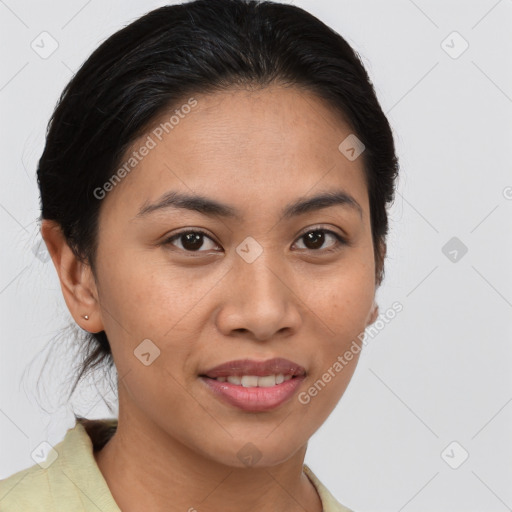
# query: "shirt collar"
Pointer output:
{"type": "Point", "coordinates": [77, 456]}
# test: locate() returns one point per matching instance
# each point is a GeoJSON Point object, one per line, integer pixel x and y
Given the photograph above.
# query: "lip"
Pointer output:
{"type": "Point", "coordinates": [255, 399]}
{"type": "Point", "coordinates": [259, 368]}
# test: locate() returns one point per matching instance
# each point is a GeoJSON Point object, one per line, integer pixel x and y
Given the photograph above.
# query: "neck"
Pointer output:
{"type": "Point", "coordinates": [144, 465]}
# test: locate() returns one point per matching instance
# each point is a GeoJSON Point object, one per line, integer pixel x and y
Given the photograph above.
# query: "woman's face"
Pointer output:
{"type": "Point", "coordinates": [262, 282]}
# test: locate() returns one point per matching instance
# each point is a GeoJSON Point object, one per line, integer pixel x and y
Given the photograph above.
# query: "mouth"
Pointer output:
{"type": "Point", "coordinates": [254, 386]}
{"type": "Point", "coordinates": [253, 381]}
{"type": "Point", "coordinates": [279, 368]}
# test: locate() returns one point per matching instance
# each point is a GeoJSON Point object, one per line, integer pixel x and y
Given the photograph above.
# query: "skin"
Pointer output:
{"type": "Point", "coordinates": [254, 150]}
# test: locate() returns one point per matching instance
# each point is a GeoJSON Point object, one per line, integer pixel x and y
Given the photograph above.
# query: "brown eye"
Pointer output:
{"type": "Point", "coordinates": [191, 241]}
{"type": "Point", "coordinates": [316, 238]}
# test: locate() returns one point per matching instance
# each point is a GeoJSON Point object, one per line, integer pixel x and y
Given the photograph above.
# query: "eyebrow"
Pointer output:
{"type": "Point", "coordinates": [212, 208]}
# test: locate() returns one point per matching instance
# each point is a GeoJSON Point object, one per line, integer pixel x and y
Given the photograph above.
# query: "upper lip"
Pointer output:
{"type": "Point", "coordinates": [257, 368]}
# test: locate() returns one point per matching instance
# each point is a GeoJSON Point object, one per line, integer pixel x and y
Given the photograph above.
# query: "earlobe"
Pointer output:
{"type": "Point", "coordinates": [76, 279]}
{"type": "Point", "coordinates": [374, 313]}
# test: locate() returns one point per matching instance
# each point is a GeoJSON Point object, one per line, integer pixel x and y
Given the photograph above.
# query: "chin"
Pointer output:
{"type": "Point", "coordinates": [249, 453]}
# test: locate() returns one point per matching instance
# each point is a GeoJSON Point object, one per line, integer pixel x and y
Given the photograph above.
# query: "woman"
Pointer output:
{"type": "Point", "coordinates": [214, 193]}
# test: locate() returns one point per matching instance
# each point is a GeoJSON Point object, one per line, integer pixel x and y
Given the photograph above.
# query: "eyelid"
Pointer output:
{"type": "Point", "coordinates": [169, 239]}
{"type": "Point", "coordinates": [191, 230]}
{"type": "Point", "coordinates": [321, 227]}
{"type": "Point", "coordinates": [341, 239]}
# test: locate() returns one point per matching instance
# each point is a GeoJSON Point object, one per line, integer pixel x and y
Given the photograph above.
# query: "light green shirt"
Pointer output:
{"type": "Point", "coordinates": [73, 482]}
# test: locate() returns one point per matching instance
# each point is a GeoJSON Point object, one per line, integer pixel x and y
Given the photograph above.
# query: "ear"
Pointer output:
{"type": "Point", "coordinates": [76, 279]}
{"type": "Point", "coordinates": [373, 315]}
{"type": "Point", "coordinates": [379, 259]}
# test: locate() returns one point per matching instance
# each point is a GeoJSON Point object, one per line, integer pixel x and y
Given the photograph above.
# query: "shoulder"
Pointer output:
{"type": "Point", "coordinates": [329, 502]}
{"type": "Point", "coordinates": [68, 479]}
{"type": "Point", "coordinates": [28, 489]}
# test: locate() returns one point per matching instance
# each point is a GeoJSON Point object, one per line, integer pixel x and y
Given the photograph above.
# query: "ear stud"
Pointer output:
{"type": "Point", "coordinates": [86, 317]}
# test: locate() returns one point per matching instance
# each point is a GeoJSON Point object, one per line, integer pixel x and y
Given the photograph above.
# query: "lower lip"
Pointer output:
{"type": "Point", "coordinates": [254, 399]}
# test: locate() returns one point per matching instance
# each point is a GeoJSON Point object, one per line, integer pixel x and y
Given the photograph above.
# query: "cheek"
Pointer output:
{"type": "Point", "coordinates": [147, 296]}
{"type": "Point", "coordinates": [342, 300]}
{"type": "Point", "coordinates": [143, 300]}
{"type": "Point", "coordinates": [340, 306]}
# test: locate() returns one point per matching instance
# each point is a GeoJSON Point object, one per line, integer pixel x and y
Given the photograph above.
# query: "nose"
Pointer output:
{"type": "Point", "coordinates": [258, 301]}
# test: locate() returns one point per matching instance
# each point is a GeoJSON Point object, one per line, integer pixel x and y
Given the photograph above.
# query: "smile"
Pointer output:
{"type": "Point", "coordinates": [254, 386]}
{"type": "Point", "coordinates": [253, 381]}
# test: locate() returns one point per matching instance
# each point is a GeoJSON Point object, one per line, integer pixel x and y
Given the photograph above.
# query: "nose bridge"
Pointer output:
{"type": "Point", "coordinates": [260, 301]}
{"type": "Point", "coordinates": [261, 280]}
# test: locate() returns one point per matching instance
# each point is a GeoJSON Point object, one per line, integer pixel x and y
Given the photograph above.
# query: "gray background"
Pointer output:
{"type": "Point", "coordinates": [439, 372]}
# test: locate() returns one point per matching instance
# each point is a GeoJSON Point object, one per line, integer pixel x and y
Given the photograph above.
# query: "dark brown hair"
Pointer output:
{"type": "Point", "coordinates": [180, 50]}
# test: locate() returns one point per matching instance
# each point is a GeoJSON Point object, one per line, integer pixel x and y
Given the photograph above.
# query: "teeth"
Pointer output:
{"type": "Point", "coordinates": [249, 381]}
{"type": "Point", "coordinates": [252, 381]}
{"type": "Point", "coordinates": [266, 382]}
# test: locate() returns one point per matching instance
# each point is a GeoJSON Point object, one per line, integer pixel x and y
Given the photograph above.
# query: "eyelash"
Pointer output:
{"type": "Point", "coordinates": [340, 241]}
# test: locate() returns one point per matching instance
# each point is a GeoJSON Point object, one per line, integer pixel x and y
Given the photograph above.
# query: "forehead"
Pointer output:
{"type": "Point", "coordinates": [251, 148]}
